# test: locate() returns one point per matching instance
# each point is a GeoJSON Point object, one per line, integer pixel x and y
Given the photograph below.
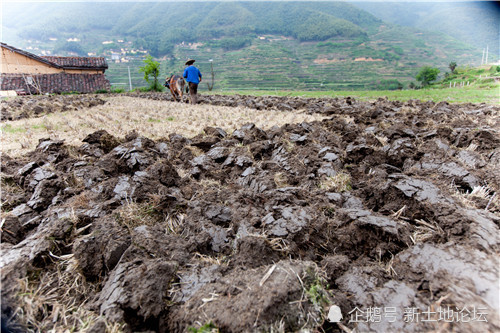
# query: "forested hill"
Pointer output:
{"type": "Point", "coordinates": [249, 45]}
{"type": "Point", "coordinates": [157, 27]}
{"type": "Point", "coordinates": [473, 22]}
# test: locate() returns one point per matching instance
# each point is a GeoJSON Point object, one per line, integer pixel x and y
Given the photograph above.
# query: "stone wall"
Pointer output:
{"type": "Point", "coordinates": [55, 83]}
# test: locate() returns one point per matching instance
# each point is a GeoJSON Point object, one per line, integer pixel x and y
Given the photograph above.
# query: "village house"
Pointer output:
{"type": "Point", "coordinates": [27, 73]}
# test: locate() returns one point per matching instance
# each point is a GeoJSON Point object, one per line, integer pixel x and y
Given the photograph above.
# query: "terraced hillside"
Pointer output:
{"type": "Point", "coordinates": [277, 62]}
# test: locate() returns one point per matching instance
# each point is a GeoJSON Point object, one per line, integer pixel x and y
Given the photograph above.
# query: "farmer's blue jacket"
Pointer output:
{"type": "Point", "coordinates": [192, 74]}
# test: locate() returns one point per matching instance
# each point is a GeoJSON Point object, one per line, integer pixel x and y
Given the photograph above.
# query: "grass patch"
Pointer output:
{"type": "Point", "coordinates": [281, 180]}
{"type": "Point", "coordinates": [136, 214]}
{"type": "Point", "coordinates": [133, 215]}
{"type": "Point", "coordinates": [207, 328]}
{"type": "Point", "coordinates": [316, 291]}
{"type": "Point", "coordinates": [317, 294]}
{"type": "Point", "coordinates": [39, 126]}
{"type": "Point", "coordinates": [341, 182]}
{"type": "Point", "coordinates": [470, 94]}
{"type": "Point", "coordinates": [8, 128]}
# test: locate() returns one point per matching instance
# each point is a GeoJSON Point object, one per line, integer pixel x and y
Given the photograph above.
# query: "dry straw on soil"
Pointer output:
{"type": "Point", "coordinates": [153, 119]}
{"type": "Point", "coordinates": [53, 303]}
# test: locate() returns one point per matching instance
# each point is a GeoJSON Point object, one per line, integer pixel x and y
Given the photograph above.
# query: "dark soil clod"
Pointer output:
{"type": "Point", "coordinates": [387, 205]}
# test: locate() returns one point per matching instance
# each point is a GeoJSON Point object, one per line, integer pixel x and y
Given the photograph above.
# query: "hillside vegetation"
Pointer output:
{"type": "Point", "coordinates": [252, 45]}
{"type": "Point", "coordinates": [480, 77]}
{"type": "Point", "coordinates": [474, 22]}
{"type": "Point", "coordinates": [159, 26]}
{"type": "Point", "coordinates": [388, 58]}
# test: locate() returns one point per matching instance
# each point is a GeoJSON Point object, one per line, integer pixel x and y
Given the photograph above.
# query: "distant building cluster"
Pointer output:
{"type": "Point", "coordinates": [117, 51]}
{"type": "Point", "coordinates": [121, 54]}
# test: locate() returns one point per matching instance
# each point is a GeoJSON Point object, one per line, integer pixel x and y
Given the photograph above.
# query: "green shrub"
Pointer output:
{"type": "Point", "coordinates": [427, 74]}
{"type": "Point", "coordinates": [390, 84]}
{"type": "Point", "coordinates": [398, 50]}
{"type": "Point", "coordinates": [141, 89]}
{"type": "Point", "coordinates": [117, 90]}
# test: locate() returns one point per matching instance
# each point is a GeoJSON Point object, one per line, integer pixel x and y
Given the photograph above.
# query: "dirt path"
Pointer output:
{"type": "Point", "coordinates": [387, 210]}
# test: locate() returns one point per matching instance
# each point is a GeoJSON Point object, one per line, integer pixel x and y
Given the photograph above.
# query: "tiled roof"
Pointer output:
{"type": "Point", "coordinates": [55, 83]}
{"type": "Point", "coordinates": [78, 62]}
{"type": "Point", "coordinates": [64, 62]}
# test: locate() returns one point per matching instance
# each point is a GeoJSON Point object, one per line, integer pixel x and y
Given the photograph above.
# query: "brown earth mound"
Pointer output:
{"type": "Point", "coordinates": [38, 106]}
{"type": "Point", "coordinates": [387, 210]}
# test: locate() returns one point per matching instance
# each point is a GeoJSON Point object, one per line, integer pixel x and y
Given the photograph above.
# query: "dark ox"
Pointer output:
{"type": "Point", "coordinates": [176, 85]}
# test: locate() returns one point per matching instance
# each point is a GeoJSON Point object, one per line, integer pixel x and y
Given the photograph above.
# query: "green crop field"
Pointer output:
{"type": "Point", "coordinates": [453, 95]}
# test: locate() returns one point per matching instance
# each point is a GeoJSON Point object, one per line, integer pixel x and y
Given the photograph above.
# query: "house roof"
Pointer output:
{"type": "Point", "coordinates": [64, 62]}
{"type": "Point", "coordinates": [78, 62]}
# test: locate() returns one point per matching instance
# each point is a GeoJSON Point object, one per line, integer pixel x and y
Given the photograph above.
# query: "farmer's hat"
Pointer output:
{"type": "Point", "coordinates": [190, 62]}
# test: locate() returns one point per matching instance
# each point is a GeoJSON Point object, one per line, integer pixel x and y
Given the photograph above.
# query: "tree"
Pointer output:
{"type": "Point", "coordinates": [452, 66]}
{"type": "Point", "coordinates": [151, 68]}
{"type": "Point", "coordinates": [427, 74]}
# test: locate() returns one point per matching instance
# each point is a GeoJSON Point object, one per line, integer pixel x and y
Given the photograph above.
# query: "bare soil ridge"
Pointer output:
{"type": "Point", "coordinates": [386, 205]}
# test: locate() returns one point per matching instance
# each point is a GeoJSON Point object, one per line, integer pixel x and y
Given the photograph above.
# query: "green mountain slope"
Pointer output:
{"type": "Point", "coordinates": [276, 62]}
{"type": "Point", "coordinates": [254, 45]}
{"type": "Point", "coordinates": [476, 23]}
{"type": "Point", "coordinates": [159, 26]}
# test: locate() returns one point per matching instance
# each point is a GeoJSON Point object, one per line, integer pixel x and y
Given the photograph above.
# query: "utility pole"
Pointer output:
{"type": "Point", "coordinates": [129, 79]}
{"type": "Point", "coordinates": [210, 87]}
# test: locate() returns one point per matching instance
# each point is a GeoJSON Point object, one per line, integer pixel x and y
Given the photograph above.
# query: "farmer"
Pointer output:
{"type": "Point", "coordinates": [193, 78]}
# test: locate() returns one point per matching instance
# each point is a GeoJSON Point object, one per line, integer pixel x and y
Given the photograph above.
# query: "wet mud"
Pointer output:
{"type": "Point", "coordinates": [388, 210]}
